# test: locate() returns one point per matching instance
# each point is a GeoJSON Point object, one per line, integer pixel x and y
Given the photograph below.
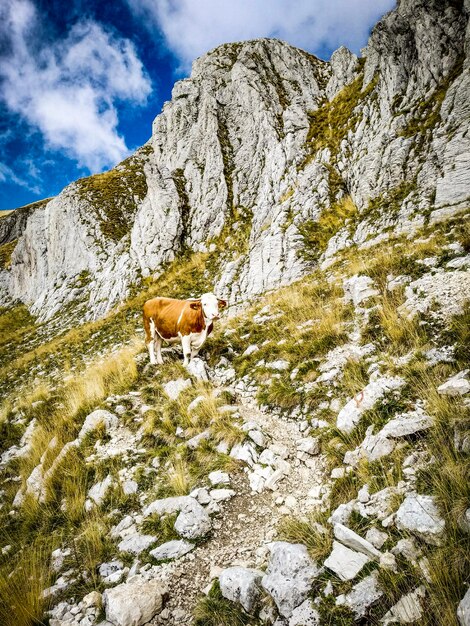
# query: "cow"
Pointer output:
{"type": "Point", "coordinates": [190, 321]}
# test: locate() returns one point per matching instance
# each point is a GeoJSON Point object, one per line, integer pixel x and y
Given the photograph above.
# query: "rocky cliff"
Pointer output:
{"type": "Point", "coordinates": [262, 143]}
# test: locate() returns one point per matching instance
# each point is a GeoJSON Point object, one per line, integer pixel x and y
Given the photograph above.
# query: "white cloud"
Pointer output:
{"type": "Point", "coordinates": [192, 27]}
{"type": "Point", "coordinates": [69, 89]}
{"type": "Point", "coordinates": [7, 175]}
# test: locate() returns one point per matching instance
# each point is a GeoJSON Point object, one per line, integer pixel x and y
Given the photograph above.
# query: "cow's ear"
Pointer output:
{"type": "Point", "coordinates": [222, 304]}
{"type": "Point", "coordinates": [196, 305]}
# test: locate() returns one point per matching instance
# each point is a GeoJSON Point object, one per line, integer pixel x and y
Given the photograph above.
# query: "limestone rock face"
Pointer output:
{"type": "Point", "coordinates": [237, 161]}
{"type": "Point", "coordinates": [420, 515]}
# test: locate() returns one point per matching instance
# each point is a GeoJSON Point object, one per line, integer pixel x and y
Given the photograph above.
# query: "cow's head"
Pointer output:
{"type": "Point", "coordinates": [210, 306]}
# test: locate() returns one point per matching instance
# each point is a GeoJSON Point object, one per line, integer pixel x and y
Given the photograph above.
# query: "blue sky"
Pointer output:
{"type": "Point", "coordinates": [81, 81]}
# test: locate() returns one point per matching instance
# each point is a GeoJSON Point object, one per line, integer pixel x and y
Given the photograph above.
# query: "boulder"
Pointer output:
{"type": "Point", "coordinates": [197, 368]}
{"type": "Point", "coordinates": [289, 575]}
{"type": "Point", "coordinates": [98, 418]}
{"type": "Point", "coordinates": [419, 514]}
{"type": "Point", "coordinates": [407, 424]}
{"type": "Point", "coordinates": [135, 602]}
{"type": "Point", "coordinates": [172, 549]}
{"type": "Point", "coordinates": [357, 289]}
{"type": "Point", "coordinates": [193, 521]}
{"type": "Point", "coordinates": [219, 478]}
{"type": "Point", "coordinates": [361, 596]}
{"type": "Point", "coordinates": [136, 543]}
{"type": "Point", "coordinates": [354, 541]}
{"type": "Point", "coordinates": [244, 452]}
{"type": "Point", "coordinates": [351, 413]}
{"type": "Point", "coordinates": [458, 385]}
{"type": "Point", "coordinates": [218, 495]}
{"type": "Point", "coordinates": [344, 562]}
{"type": "Point", "coordinates": [166, 506]}
{"type": "Point", "coordinates": [463, 610]}
{"type": "Point", "coordinates": [304, 615]}
{"type": "Point", "coordinates": [407, 610]}
{"type": "Point", "coordinates": [174, 387]}
{"type": "Point", "coordinates": [242, 585]}
{"type": "Point", "coordinates": [97, 493]}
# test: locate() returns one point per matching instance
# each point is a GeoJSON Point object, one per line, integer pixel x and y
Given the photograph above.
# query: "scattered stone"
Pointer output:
{"type": "Point", "coordinates": [135, 602]}
{"type": "Point", "coordinates": [338, 472]}
{"type": "Point", "coordinates": [172, 549]}
{"type": "Point", "coordinates": [175, 387]}
{"type": "Point", "coordinates": [344, 562]}
{"type": "Point", "coordinates": [136, 543]}
{"type": "Point", "coordinates": [304, 615]}
{"type": "Point", "coordinates": [308, 445]}
{"type": "Point", "coordinates": [244, 452]}
{"type": "Point", "coordinates": [193, 521]}
{"type": "Point", "coordinates": [376, 537]}
{"type": "Point", "coordinates": [167, 506]}
{"type": "Point", "coordinates": [362, 596]}
{"type": "Point", "coordinates": [351, 413]}
{"type": "Point", "coordinates": [218, 495]}
{"type": "Point", "coordinates": [219, 478]}
{"type": "Point", "coordinates": [420, 515]}
{"type": "Point", "coordinates": [195, 441]}
{"type": "Point", "coordinates": [458, 385]}
{"type": "Point", "coordinates": [289, 575]}
{"type": "Point", "coordinates": [358, 288]}
{"type": "Point", "coordinates": [97, 493]}
{"type": "Point", "coordinates": [96, 419]}
{"type": "Point", "coordinates": [407, 610]}
{"type": "Point", "coordinates": [250, 350]}
{"type": "Point", "coordinates": [354, 541]}
{"type": "Point", "coordinates": [242, 585]}
{"type": "Point", "coordinates": [279, 365]}
{"type": "Point", "coordinates": [197, 368]}
{"type": "Point", "coordinates": [463, 610]}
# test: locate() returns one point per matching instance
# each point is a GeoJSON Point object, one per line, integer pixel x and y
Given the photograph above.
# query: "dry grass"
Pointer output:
{"type": "Point", "coordinates": [21, 602]}
{"type": "Point", "coordinates": [310, 532]}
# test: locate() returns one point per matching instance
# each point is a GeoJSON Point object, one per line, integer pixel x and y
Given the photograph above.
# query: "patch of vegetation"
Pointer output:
{"type": "Point", "coordinates": [313, 532]}
{"type": "Point", "coordinates": [388, 203]}
{"type": "Point", "coordinates": [332, 121]}
{"type": "Point", "coordinates": [427, 113]}
{"type": "Point", "coordinates": [114, 195]}
{"type": "Point", "coordinates": [6, 250]}
{"type": "Point", "coordinates": [215, 610]}
{"type": "Point", "coordinates": [317, 233]}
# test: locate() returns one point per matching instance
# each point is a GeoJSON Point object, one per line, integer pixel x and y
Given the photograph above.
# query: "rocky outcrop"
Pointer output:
{"type": "Point", "coordinates": [260, 142]}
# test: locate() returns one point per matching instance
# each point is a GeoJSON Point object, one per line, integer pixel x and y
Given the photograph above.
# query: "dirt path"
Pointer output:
{"type": "Point", "coordinates": [246, 523]}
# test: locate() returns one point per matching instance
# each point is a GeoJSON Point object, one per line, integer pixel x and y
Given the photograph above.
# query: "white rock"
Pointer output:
{"type": "Point", "coordinates": [98, 492]}
{"type": "Point", "coordinates": [129, 487]}
{"type": "Point", "coordinates": [96, 419]}
{"type": "Point", "coordinates": [376, 537]}
{"type": "Point", "coordinates": [244, 452]}
{"type": "Point", "coordinates": [309, 445]}
{"type": "Point", "coordinates": [195, 441]}
{"type": "Point", "coordinates": [458, 385]}
{"type": "Point", "coordinates": [420, 515]}
{"type": "Point", "coordinates": [172, 549]}
{"type": "Point", "coordinates": [193, 521]}
{"type": "Point", "coordinates": [219, 495]}
{"type": "Point", "coordinates": [279, 365]}
{"type": "Point", "coordinates": [136, 543]}
{"type": "Point", "coordinates": [358, 288]}
{"type": "Point", "coordinates": [463, 610]}
{"type": "Point", "coordinates": [407, 610]}
{"type": "Point", "coordinates": [351, 413]}
{"type": "Point", "coordinates": [219, 478]}
{"type": "Point", "coordinates": [344, 562]}
{"type": "Point", "coordinates": [250, 350]}
{"type": "Point", "coordinates": [354, 541]}
{"type": "Point", "coordinates": [174, 387]}
{"type": "Point", "coordinates": [242, 585]}
{"type": "Point", "coordinates": [289, 575]}
{"type": "Point", "coordinates": [304, 615]}
{"type": "Point", "coordinates": [195, 403]}
{"type": "Point", "coordinates": [197, 368]}
{"type": "Point", "coordinates": [362, 596]}
{"type": "Point", "coordinates": [135, 602]}
{"type": "Point", "coordinates": [407, 424]}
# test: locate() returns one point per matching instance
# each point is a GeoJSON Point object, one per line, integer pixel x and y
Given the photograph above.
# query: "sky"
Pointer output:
{"type": "Point", "coordinates": [81, 81]}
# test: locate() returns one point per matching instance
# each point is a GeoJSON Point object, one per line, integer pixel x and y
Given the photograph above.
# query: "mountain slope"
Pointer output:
{"type": "Point", "coordinates": [253, 148]}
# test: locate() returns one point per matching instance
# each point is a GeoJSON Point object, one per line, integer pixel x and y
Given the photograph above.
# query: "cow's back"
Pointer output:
{"type": "Point", "coordinates": [165, 313]}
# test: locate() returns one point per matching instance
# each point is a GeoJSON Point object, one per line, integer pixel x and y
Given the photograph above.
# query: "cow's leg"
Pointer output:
{"type": "Point", "coordinates": [194, 352]}
{"type": "Point", "coordinates": [186, 343]}
{"type": "Point", "coordinates": [158, 346]}
{"type": "Point", "coordinates": [150, 337]}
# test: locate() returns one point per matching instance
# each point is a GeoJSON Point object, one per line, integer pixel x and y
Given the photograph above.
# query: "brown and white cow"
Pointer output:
{"type": "Point", "coordinates": [190, 321]}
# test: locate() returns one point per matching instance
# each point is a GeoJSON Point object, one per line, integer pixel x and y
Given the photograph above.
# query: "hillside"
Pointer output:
{"type": "Point", "coordinates": [312, 467]}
